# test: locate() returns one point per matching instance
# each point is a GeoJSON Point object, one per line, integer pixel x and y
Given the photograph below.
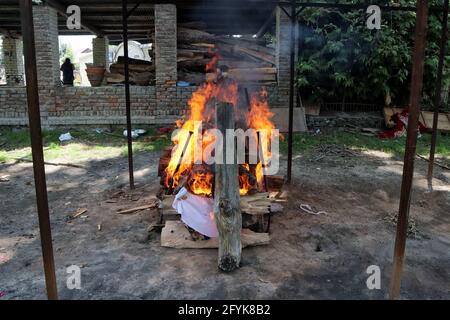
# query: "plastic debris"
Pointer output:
{"type": "Point", "coordinates": [65, 137]}
{"type": "Point", "coordinates": [134, 133]}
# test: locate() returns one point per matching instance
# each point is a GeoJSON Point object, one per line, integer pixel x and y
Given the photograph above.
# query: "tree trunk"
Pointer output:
{"type": "Point", "coordinates": [227, 209]}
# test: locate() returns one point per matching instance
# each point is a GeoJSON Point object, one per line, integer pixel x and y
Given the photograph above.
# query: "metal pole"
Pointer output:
{"type": "Point", "coordinates": [127, 90]}
{"type": "Point", "coordinates": [410, 149]}
{"type": "Point", "coordinates": [29, 51]}
{"type": "Point", "coordinates": [437, 95]}
{"type": "Point", "coordinates": [291, 92]}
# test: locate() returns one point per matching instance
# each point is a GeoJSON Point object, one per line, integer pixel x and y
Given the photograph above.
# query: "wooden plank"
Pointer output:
{"type": "Point", "coordinates": [259, 77]}
{"type": "Point", "coordinates": [140, 208]}
{"type": "Point", "coordinates": [259, 55]}
{"type": "Point", "coordinates": [281, 119]}
{"type": "Point", "coordinates": [186, 35]}
{"type": "Point", "coordinates": [118, 67]}
{"type": "Point", "coordinates": [425, 116]}
{"type": "Point", "coordinates": [253, 70]}
{"type": "Point", "coordinates": [175, 235]}
{"type": "Point", "coordinates": [255, 204]}
{"type": "Point", "coordinates": [312, 110]}
{"type": "Point", "coordinates": [233, 63]}
{"type": "Point", "coordinates": [114, 77]}
{"type": "Point", "coordinates": [443, 121]}
{"type": "Point", "coordinates": [249, 45]}
{"type": "Point", "coordinates": [253, 74]}
{"type": "Point", "coordinates": [258, 203]}
{"type": "Point", "coordinates": [204, 45]}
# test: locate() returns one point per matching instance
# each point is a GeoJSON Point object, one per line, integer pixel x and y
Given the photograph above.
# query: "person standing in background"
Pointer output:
{"type": "Point", "coordinates": [67, 69]}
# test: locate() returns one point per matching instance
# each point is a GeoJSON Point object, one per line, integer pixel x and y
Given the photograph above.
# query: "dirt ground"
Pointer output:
{"type": "Point", "coordinates": [310, 257]}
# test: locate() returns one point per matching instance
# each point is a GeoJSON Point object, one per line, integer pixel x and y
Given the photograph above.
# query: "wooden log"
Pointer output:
{"type": "Point", "coordinates": [256, 74]}
{"type": "Point", "coordinates": [254, 70]}
{"type": "Point", "coordinates": [144, 207]}
{"type": "Point", "coordinates": [186, 35]}
{"type": "Point", "coordinates": [204, 45]}
{"type": "Point", "coordinates": [119, 68]}
{"type": "Point", "coordinates": [198, 25]}
{"type": "Point", "coordinates": [191, 53]}
{"type": "Point", "coordinates": [121, 60]}
{"type": "Point", "coordinates": [194, 65]}
{"type": "Point", "coordinates": [258, 204]}
{"type": "Point", "coordinates": [227, 210]}
{"type": "Point", "coordinates": [233, 63]}
{"type": "Point", "coordinates": [248, 44]}
{"type": "Point", "coordinates": [112, 77]}
{"type": "Point", "coordinates": [182, 59]}
{"type": "Point", "coordinates": [141, 78]}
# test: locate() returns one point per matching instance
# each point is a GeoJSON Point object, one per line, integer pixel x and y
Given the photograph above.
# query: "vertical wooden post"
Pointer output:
{"type": "Point", "coordinates": [227, 211]}
{"type": "Point", "coordinates": [291, 92]}
{"type": "Point", "coordinates": [127, 91]}
{"type": "Point", "coordinates": [29, 51]}
{"type": "Point", "coordinates": [438, 94]}
{"type": "Point", "coordinates": [410, 149]}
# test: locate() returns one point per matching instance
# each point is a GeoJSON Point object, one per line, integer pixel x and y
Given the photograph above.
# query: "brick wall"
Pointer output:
{"type": "Point", "coordinates": [13, 106]}
{"type": "Point", "coordinates": [99, 105]}
{"type": "Point", "coordinates": [162, 103]}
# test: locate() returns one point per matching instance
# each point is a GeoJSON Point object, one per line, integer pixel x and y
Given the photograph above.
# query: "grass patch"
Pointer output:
{"type": "Point", "coordinates": [89, 144]}
{"type": "Point", "coordinates": [86, 144]}
{"type": "Point", "coordinates": [305, 143]}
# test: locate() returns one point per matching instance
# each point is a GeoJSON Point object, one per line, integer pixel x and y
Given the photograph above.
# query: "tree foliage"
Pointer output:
{"type": "Point", "coordinates": [66, 51]}
{"type": "Point", "coordinates": [340, 57]}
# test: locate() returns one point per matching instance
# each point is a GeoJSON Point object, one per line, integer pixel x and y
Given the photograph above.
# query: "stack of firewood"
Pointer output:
{"type": "Point", "coordinates": [142, 72]}
{"type": "Point", "coordinates": [247, 58]}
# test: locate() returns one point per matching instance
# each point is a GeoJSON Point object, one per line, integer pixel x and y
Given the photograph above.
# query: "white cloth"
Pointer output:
{"type": "Point", "coordinates": [197, 212]}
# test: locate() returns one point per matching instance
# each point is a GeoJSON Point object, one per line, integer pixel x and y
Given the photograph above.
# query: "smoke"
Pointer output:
{"type": "Point", "coordinates": [228, 18]}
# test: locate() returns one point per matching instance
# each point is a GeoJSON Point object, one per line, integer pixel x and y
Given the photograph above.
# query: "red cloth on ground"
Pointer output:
{"type": "Point", "coordinates": [401, 123]}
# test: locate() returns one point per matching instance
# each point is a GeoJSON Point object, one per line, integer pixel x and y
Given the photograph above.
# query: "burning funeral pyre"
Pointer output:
{"type": "Point", "coordinates": [189, 171]}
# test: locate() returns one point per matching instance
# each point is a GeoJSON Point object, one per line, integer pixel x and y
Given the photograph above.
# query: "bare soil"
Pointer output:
{"type": "Point", "coordinates": [310, 256]}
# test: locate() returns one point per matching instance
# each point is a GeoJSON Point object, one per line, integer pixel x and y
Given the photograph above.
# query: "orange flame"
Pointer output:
{"type": "Point", "coordinates": [201, 184]}
{"type": "Point", "coordinates": [199, 111]}
{"type": "Point", "coordinates": [258, 118]}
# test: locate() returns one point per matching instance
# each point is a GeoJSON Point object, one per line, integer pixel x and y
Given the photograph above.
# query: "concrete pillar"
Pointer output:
{"type": "Point", "coordinates": [13, 60]}
{"type": "Point", "coordinates": [165, 57]}
{"type": "Point", "coordinates": [282, 59]}
{"type": "Point", "coordinates": [100, 51]}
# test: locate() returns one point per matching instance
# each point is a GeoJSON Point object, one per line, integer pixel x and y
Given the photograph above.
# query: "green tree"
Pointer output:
{"type": "Point", "coordinates": [66, 51]}
{"type": "Point", "coordinates": [341, 58]}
